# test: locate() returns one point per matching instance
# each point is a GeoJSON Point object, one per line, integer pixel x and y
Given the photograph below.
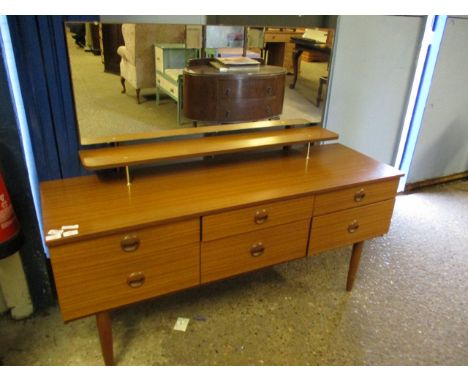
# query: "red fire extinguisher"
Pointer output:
{"type": "Point", "coordinates": [9, 225]}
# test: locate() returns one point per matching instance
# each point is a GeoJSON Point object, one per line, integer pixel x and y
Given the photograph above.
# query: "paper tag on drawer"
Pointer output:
{"type": "Point", "coordinates": [181, 324]}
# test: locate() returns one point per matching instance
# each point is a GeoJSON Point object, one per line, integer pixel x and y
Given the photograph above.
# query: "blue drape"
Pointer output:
{"type": "Point", "coordinates": [41, 56]}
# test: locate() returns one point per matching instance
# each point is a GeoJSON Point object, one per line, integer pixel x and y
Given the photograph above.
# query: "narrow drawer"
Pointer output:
{"type": "Point", "coordinates": [280, 37]}
{"type": "Point", "coordinates": [243, 253]}
{"type": "Point", "coordinates": [250, 88]}
{"type": "Point", "coordinates": [159, 58]}
{"type": "Point", "coordinates": [350, 226]}
{"type": "Point", "coordinates": [168, 86]}
{"type": "Point", "coordinates": [256, 217]}
{"type": "Point", "coordinates": [103, 273]}
{"type": "Point", "coordinates": [355, 196]}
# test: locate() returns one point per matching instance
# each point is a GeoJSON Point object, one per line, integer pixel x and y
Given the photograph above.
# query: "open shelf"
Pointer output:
{"type": "Point", "coordinates": [130, 155]}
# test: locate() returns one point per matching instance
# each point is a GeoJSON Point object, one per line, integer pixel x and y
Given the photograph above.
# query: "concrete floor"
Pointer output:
{"type": "Point", "coordinates": [409, 306]}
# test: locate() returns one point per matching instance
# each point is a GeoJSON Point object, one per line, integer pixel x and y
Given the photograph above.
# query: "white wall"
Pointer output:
{"type": "Point", "coordinates": [442, 146]}
{"type": "Point", "coordinates": [371, 74]}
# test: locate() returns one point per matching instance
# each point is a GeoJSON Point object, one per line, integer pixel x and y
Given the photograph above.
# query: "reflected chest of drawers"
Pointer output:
{"type": "Point", "coordinates": [184, 225]}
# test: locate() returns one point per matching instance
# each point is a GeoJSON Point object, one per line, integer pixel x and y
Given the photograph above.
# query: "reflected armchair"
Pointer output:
{"type": "Point", "coordinates": [137, 65]}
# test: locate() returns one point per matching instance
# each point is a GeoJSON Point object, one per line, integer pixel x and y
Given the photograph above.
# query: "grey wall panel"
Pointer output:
{"type": "Point", "coordinates": [442, 146]}
{"type": "Point", "coordinates": [373, 67]}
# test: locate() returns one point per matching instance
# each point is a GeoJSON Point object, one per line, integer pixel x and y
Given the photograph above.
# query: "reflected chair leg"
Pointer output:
{"type": "Point", "coordinates": [354, 264]}
{"type": "Point", "coordinates": [319, 93]}
{"type": "Point", "coordinates": [122, 81]}
{"type": "Point", "coordinates": [104, 325]}
{"type": "Point", "coordinates": [138, 96]}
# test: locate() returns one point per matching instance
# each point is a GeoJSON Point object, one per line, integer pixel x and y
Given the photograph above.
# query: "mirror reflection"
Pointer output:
{"type": "Point", "coordinates": [126, 78]}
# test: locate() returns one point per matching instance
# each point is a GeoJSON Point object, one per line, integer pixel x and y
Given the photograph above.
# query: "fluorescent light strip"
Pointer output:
{"type": "Point", "coordinates": [12, 74]}
{"type": "Point", "coordinates": [427, 38]}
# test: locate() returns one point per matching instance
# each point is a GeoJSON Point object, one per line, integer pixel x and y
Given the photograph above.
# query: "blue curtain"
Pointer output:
{"type": "Point", "coordinates": [41, 57]}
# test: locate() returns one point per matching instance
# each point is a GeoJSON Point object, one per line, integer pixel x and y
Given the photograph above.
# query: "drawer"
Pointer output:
{"type": "Point", "coordinates": [256, 217]}
{"type": "Point", "coordinates": [248, 109]}
{"type": "Point", "coordinates": [280, 37]}
{"type": "Point", "coordinates": [159, 58]}
{"type": "Point", "coordinates": [168, 86]}
{"type": "Point", "coordinates": [97, 274]}
{"type": "Point", "coordinates": [249, 251]}
{"type": "Point", "coordinates": [355, 196]}
{"type": "Point", "coordinates": [350, 226]}
{"type": "Point", "coordinates": [250, 88]}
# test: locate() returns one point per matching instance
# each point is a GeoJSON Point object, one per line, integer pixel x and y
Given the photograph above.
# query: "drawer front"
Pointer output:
{"type": "Point", "coordinates": [243, 253]}
{"type": "Point", "coordinates": [159, 57]}
{"type": "Point", "coordinates": [355, 196]}
{"type": "Point", "coordinates": [256, 217]}
{"type": "Point", "coordinates": [250, 109]}
{"type": "Point", "coordinates": [350, 226]}
{"type": "Point", "coordinates": [168, 86]}
{"type": "Point", "coordinates": [280, 37]}
{"type": "Point", "coordinates": [250, 88]}
{"type": "Point", "coordinates": [103, 273]}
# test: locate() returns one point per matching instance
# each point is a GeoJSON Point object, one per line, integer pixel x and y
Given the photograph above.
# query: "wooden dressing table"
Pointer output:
{"type": "Point", "coordinates": [182, 225]}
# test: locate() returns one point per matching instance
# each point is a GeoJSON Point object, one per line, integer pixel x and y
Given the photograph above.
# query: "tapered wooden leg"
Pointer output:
{"type": "Point", "coordinates": [319, 93]}
{"type": "Point", "coordinates": [354, 264]}
{"type": "Point", "coordinates": [104, 325]}
{"type": "Point", "coordinates": [296, 56]}
{"type": "Point", "coordinates": [138, 96]}
{"type": "Point", "coordinates": [122, 81]}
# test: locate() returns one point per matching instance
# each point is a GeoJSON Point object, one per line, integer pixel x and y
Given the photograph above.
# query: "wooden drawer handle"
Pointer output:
{"type": "Point", "coordinates": [136, 279]}
{"type": "Point", "coordinates": [226, 113]}
{"type": "Point", "coordinates": [130, 243]}
{"type": "Point", "coordinates": [257, 249]}
{"type": "Point", "coordinates": [227, 92]}
{"type": "Point", "coordinates": [268, 109]}
{"type": "Point", "coordinates": [360, 195]}
{"type": "Point", "coordinates": [353, 227]}
{"type": "Point", "coordinates": [269, 90]}
{"type": "Point", "coordinates": [261, 217]}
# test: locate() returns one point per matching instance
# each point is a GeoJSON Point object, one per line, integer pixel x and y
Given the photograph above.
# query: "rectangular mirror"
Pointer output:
{"type": "Point", "coordinates": [119, 95]}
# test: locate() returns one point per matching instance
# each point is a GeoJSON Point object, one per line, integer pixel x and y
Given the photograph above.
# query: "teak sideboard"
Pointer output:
{"type": "Point", "coordinates": [182, 225]}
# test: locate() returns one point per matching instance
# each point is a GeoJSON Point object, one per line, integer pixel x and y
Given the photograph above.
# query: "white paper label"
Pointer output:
{"type": "Point", "coordinates": [181, 324]}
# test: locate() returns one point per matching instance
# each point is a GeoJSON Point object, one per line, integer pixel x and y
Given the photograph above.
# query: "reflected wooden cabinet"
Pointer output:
{"type": "Point", "coordinates": [233, 96]}
{"type": "Point", "coordinates": [112, 38]}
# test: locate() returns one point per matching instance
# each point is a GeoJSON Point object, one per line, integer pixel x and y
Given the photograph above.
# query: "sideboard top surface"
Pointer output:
{"type": "Point", "coordinates": [261, 70]}
{"type": "Point", "coordinates": [179, 191]}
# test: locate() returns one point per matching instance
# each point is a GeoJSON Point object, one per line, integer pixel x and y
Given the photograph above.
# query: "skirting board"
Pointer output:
{"type": "Point", "coordinates": [434, 181]}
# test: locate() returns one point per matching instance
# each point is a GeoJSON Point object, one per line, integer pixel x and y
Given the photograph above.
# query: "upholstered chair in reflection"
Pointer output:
{"type": "Point", "coordinates": [137, 65]}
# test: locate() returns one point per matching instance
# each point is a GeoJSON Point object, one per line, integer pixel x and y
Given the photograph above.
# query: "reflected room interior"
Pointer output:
{"type": "Point", "coordinates": [119, 89]}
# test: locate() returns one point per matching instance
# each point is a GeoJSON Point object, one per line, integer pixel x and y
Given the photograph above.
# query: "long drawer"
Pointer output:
{"type": "Point", "coordinates": [256, 217]}
{"type": "Point", "coordinates": [350, 226]}
{"type": "Point", "coordinates": [355, 196]}
{"type": "Point", "coordinates": [168, 86]}
{"type": "Point", "coordinates": [243, 253]}
{"type": "Point", "coordinates": [111, 271]}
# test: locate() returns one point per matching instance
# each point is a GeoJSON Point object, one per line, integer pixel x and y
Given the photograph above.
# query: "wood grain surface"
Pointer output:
{"type": "Point", "coordinates": [130, 155]}
{"type": "Point", "coordinates": [256, 217]}
{"type": "Point", "coordinates": [350, 197]}
{"type": "Point", "coordinates": [333, 230]}
{"type": "Point", "coordinates": [233, 255]}
{"type": "Point", "coordinates": [93, 275]}
{"type": "Point", "coordinates": [176, 192]}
